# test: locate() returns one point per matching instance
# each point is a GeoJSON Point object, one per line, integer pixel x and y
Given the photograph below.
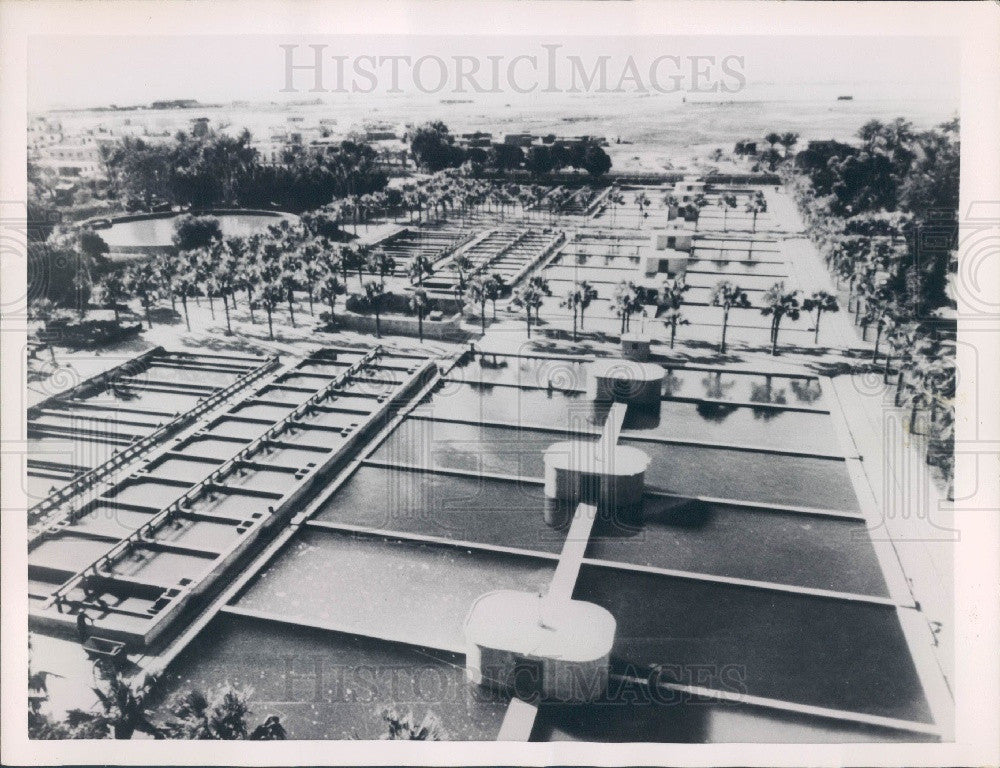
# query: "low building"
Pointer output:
{"type": "Point", "coordinates": [519, 139]}
{"type": "Point", "coordinates": [667, 261]}
{"type": "Point", "coordinates": [674, 238]}
{"type": "Point", "coordinates": [688, 189]}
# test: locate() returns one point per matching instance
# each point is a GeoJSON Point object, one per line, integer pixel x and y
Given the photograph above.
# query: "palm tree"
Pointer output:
{"type": "Point", "coordinates": [289, 265]}
{"type": "Point", "coordinates": [880, 307]}
{"type": "Point", "coordinates": [477, 292]}
{"type": "Point", "coordinates": [420, 266]}
{"type": "Point", "coordinates": [357, 257]}
{"type": "Point", "coordinates": [344, 257]}
{"type": "Point", "coordinates": [272, 291]}
{"type": "Point", "coordinates": [237, 258]}
{"type": "Point", "coordinates": [124, 709]}
{"type": "Point", "coordinates": [223, 717]}
{"type": "Point", "coordinates": [626, 301]}
{"type": "Point", "coordinates": [587, 295]}
{"type": "Point", "coordinates": [251, 279]}
{"type": "Point", "coordinates": [615, 198]}
{"type": "Point", "coordinates": [185, 283]}
{"type": "Point", "coordinates": [166, 267]}
{"type": "Point", "coordinates": [419, 305]}
{"type": "Point", "coordinates": [756, 204]}
{"type": "Point", "coordinates": [820, 302]}
{"type": "Point", "coordinates": [530, 298]}
{"type": "Point", "coordinates": [779, 303]}
{"type": "Point", "coordinates": [727, 295]}
{"type": "Point", "coordinates": [571, 301]}
{"type": "Point", "coordinates": [405, 727]}
{"type": "Point", "coordinates": [674, 317]}
{"type": "Point", "coordinates": [143, 281]}
{"type": "Point", "coordinates": [849, 262]}
{"type": "Point", "coordinates": [206, 262]}
{"type": "Point", "coordinates": [642, 201]}
{"type": "Point", "coordinates": [380, 263]}
{"type": "Point", "coordinates": [330, 287]}
{"type": "Point", "coordinates": [374, 292]}
{"type": "Point", "coordinates": [726, 202]}
{"type": "Point", "coordinates": [224, 280]}
{"type": "Point", "coordinates": [495, 287]}
{"type": "Point", "coordinates": [671, 203]}
{"type": "Point", "coordinates": [312, 268]}
{"type": "Point", "coordinates": [902, 338]}
{"type": "Point", "coordinates": [788, 140]}
{"type": "Point", "coordinates": [462, 265]}
{"type": "Point", "coordinates": [113, 291]}
{"type": "Point", "coordinates": [670, 299]}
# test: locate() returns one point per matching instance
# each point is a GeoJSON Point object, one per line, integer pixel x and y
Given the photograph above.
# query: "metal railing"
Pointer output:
{"type": "Point", "coordinates": [95, 475]}
{"type": "Point", "coordinates": [138, 537]}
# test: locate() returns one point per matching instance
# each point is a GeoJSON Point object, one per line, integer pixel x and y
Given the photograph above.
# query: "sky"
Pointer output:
{"type": "Point", "coordinates": [81, 71]}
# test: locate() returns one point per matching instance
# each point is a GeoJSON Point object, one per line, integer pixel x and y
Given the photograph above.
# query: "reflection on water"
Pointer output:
{"type": "Point", "coordinates": [160, 231]}
{"type": "Point", "coordinates": [765, 393]}
{"type": "Point", "coordinates": [717, 412]}
{"type": "Point", "coordinates": [672, 384]}
{"type": "Point", "coordinates": [715, 389]}
{"type": "Point", "coordinates": [806, 390]}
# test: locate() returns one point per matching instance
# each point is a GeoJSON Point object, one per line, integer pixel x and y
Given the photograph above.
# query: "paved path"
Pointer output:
{"type": "Point", "coordinates": [916, 517]}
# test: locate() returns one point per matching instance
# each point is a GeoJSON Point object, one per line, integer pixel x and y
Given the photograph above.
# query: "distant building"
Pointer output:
{"type": "Point", "coordinates": [680, 238]}
{"type": "Point", "coordinates": [477, 139]}
{"type": "Point", "coordinates": [689, 188]}
{"type": "Point", "coordinates": [175, 104]}
{"type": "Point", "coordinates": [78, 157]}
{"type": "Point", "coordinates": [43, 132]}
{"type": "Point", "coordinates": [519, 139]}
{"type": "Point", "coordinates": [669, 252]}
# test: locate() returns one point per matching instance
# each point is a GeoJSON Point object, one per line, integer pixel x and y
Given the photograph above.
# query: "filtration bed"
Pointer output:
{"type": "Point", "coordinates": [177, 526]}
{"type": "Point", "coordinates": [747, 593]}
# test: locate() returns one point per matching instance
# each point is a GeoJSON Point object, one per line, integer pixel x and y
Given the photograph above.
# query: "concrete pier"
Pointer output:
{"type": "Point", "coordinates": [539, 646]}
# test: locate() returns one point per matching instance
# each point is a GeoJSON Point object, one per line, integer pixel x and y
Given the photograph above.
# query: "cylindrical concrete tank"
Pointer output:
{"type": "Point", "coordinates": [539, 647]}
{"type": "Point", "coordinates": [625, 381]}
{"type": "Point", "coordinates": [609, 477]}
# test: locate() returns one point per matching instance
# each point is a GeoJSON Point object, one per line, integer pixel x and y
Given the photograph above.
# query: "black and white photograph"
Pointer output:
{"type": "Point", "coordinates": [582, 383]}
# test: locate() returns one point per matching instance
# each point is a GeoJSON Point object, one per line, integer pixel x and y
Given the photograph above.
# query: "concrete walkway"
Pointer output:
{"type": "Point", "coordinates": [916, 517]}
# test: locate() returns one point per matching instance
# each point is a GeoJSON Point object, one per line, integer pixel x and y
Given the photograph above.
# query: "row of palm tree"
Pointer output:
{"type": "Point", "coordinates": [628, 300]}
{"type": "Point", "coordinates": [267, 269]}
{"type": "Point", "coordinates": [577, 300]}
{"type": "Point", "coordinates": [452, 191]}
{"type": "Point", "coordinates": [776, 303]}
{"type": "Point", "coordinates": [530, 297]}
{"type": "Point", "coordinates": [321, 234]}
{"type": "Point", "coordinates": [867, 255]}
{"type": "Point", "coordinates": [482, 288]}
{"type": "Point", "coordinates": [757, 204]}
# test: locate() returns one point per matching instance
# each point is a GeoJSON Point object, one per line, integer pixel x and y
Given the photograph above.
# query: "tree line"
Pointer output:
{"type": "Point", "coordinates": [217, 170]}
{"type": "Point", "coordinates": [434, 149]}
{"type": "Point", "coordinates": [127, 707]}
{"type": "Point", "coordinates": [884, 215]}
